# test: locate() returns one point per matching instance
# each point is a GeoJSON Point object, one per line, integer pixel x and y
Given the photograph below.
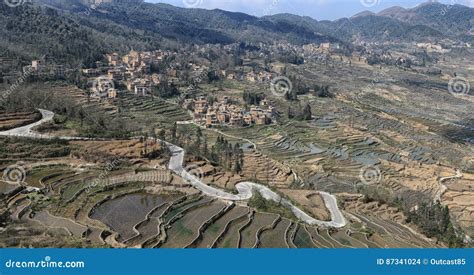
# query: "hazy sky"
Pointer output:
{"type": "Point", "coordinates": [318, 9]}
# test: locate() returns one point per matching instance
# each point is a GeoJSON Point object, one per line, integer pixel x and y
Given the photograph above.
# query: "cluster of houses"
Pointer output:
{"type": "Point", "coordinates": [134, 70]}
{"type": "Point", "coordinates": [247, 74]}
{"type": "Point", "coordinates": [224, 113]}
{"type": "Point", "coordinates": [309, 50]}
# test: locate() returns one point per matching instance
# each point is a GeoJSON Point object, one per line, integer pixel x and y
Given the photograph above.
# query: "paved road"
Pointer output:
{"type": "Point", "coordinates": [245, 189]}
{"type": "Point", "coordinates": [26, 131]}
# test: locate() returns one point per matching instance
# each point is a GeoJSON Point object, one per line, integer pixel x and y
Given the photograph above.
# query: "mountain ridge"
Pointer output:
{"type": "Point", "coordinates": [141, 25]}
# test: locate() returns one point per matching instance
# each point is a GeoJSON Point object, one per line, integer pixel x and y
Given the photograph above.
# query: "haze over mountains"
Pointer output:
{"type": "Point", "coordinates": [122, 25]}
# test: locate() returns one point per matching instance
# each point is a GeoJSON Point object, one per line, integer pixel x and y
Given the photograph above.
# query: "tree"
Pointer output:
{"type": "Point", "coordinates": [162, 137]}
{"type": "Point", "coordinates": [173, 132]}
{"type": "Point", "coordinates": [307, 114]}
{"type": "Point", "coordinates": [212, 76]}
{"type": "Point", "coordinates": [166, 89]}
{"type": "Point", "coordinates": [145, 142]}
{"type": "Point", "coordinates": [198, 140]}
{"type": "Point", "coordinates": [291, 115]}
{"type": "Point", "coordinates": [237, 166]}
{"type": "Point", "coordinates": [322, 91]}
{"type": "Point", "coordinates": [81, 115]}
{"type": "Point", "coordinates": [252, 98]}
{"type": "Point", "coordinates": [291, 95]}
{"type": "Point", "coordinates": [206, 147]}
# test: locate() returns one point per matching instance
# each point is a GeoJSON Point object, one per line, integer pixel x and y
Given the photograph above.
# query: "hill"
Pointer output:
{"type": "Point", "coordinates": [448, 19]}
{"type": "Point", "coordinates": [74, 32]}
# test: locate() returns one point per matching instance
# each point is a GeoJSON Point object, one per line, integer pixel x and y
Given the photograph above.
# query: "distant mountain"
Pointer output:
{"type": "Point", "coordinates": [378, 28]}
{"type": "Point", "coordinates": [208, 26]}
{"type": "Point", "coordinates": [59, 30]}
{"type": "Point", "coordinates": [363, 13]}
{"type": "Point", "coordinates": [75, 30]}
{"type": "Point", "coordinates": [395, 12]}
{"type": "Point", "coordinates": [448, 19]}
{"type": "Point", "coordinates": [30, 32]}
{"type": "Point", "coordinates": [218, 26]}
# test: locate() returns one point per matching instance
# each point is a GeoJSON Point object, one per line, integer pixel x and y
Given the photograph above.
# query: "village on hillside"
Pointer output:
{"type": "Point", "coordinates": [137, 73]}
{"type": "Point", "coordinates": [224, 113]}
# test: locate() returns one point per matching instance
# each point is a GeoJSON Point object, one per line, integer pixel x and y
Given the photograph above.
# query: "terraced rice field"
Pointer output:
{"type": "Point", "coordinates": [217, 228]}
{"type": "Point", "coordinates": [351, 137]}
{"type": "Point", "coordinates": [76, 185]}
{"type": "Point", "coordinates": [290, 235]}
{"type": "Point", "coordinates": [49, 220]}
{"type": "Point", "coordinates": [148, 228]}
{"type": "Point", "coordinates": [324, 233]}
{"type": "Point", "coordinates": [249, 235]}
{"type": "Point", "coordinates": [123, 213]}
{"type": "Point", "coordinates": [38, 178]}
{"type": "Point", "coordinates": [199, 221]}
{"type": "Point", "coordinates": [303, 238]}
{"type": "Point", "coordinates": [145, 111]}
{"type": "Point", "coordinates": [231, 237]}
{"type": "Point", "coordinates": [317, 239]}
{"type": "Point", "coordinates": [117, 215]}
{"type": "Point", "coordinates": [13, 120]}
{"type": "Point", "coordinates": [72, 185]}
{"type": "Point", "coordinates": [275, 237]}
{"type": "Point", "coordinates": [127, 217]}
{"type": "Point", "coordinates": [186, 229]}
{"type": "Point", "coordinates": [176, 211]}
{"type": "Point", "coordinates": [19, 208]}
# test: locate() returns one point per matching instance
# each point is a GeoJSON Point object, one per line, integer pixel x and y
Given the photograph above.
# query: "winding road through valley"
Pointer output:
{"type": "Point", "coordinates": [245, 189]}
